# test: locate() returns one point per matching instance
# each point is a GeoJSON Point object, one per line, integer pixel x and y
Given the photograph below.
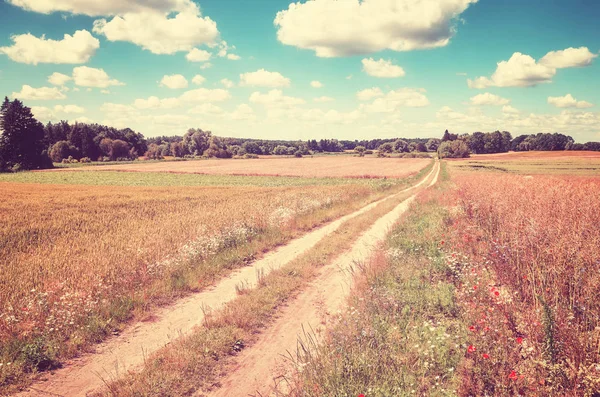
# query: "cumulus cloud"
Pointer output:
{"type": "Point", "coordinates": [324, 99]}
{"type": "Point", "coordinates": [509, 110]}
{"type": "Point", "coordinates": [206, 109]}
{"type": "Point", "coordinates": [275, 98]}
{"type": "Point", "coordinates": [91, 77]}
{"type": "Point", "coordinates": [382, 68]}
{"type": "Point", "coordinates": [369, 93]}
{"type": "Point", "coordinates": [233, 57]}
{"type": "Point", "coordinates": [569, 58]}
{"type": "Point", "coordinates": [522, 70]}
{"type": "Point", "coordinates": [174, 81]}
{"type": "Point", "coordinates": [396, 99]}
{"type": "Point", "coordinates": [316, 84]}
{"type": "Point", "coordinates": [198, 79]}
{"type": "Point", "coordinates": [158, 31]}
{"type": "Point", "coordinates": [69, 109]}
{"type": "Point", "coordinates": [32, 50]}
{"type": "Point", "coordinates": [206, 95]}
{"type": "Point", "coordinates": [38, 94]}
{"type": "Point", "coordinates": [243, 112]}
{"type": "Point", "coordinates": [58, 78]}
{"type": "Point", "coordinates": [489, 99]}
{"type": "Point", "coordinates": [264, 78]}
{"type": "Point", "coordinates": [156, 103]}
{"type": "Point", "coordinates": [227, 83]}
{"type": "Point", "coordinates": [196, 55]}
{"type": "Point", "coordinates": [369, 26]}
{"type": "Point", "coordinates": [99, 8]}
{"type": "Point", "coordinates": [568, 101]}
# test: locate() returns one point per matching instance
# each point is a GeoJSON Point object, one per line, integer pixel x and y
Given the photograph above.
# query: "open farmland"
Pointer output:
{"type": "Point", "coordinates": [315, 167]}
{"type": "Point", "coordinates": [78, 261]}
{"type": "Point", "coordinates": [559, 163]}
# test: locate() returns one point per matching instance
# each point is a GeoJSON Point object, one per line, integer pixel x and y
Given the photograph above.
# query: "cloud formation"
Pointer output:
{"type": "Point", "coordinates": [568, 101]}
{"type": "Point", "coordinates": [264, 78]}
{"type": "Point", "coordinates": [488, 99]}
{"type": "Point", "coordinates": [91, 77]}
{"type": "Point", "coordinates": [382, 68]}
{"type": "Point", "coordinates": [174, 81]}
{"type": "Point", "coordinates": [38, 94]}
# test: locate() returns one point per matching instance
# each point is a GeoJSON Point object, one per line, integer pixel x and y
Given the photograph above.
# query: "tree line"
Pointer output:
{"type": "Point", "coordinates": [25, 143]}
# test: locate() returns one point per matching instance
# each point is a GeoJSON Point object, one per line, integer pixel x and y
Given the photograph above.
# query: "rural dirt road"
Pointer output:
{"type": "Point", "coordinates": [263, 370]}
{"type": "Point", "coordinates": [128, 350]}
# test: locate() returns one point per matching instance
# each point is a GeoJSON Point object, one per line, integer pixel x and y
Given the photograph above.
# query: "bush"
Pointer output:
{"type": "Point", "coordinates": [453, 149]}
{"type": "Point", "coordinates": [298, 153]}
{"type": "Point", "coordinates": [85, 160]}
{"type": "Point", "coordinates": [250, 156]}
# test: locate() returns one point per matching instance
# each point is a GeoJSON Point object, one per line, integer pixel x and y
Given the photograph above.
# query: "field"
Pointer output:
{"type": "Point", "coordinates": [307, 167]}
{"type": "Point", "coordinates": [558, 163]}
{"type": "Point", "coordinates": [80, 261]}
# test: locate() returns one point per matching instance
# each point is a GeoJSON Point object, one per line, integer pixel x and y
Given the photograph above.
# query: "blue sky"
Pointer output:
{"type": "Point", "coordinates": [378, 68]}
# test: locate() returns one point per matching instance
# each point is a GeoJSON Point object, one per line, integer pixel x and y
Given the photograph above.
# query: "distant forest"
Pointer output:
{"type": "Point", "coordinates": [25, 143]}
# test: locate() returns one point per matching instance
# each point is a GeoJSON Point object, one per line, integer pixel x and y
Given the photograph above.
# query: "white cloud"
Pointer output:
{"type": "Point", "coordinates": [396, 99]}
{"type": "Point", "coordinates": [522, 70]}
{"type": "Point", "coordinates": [243, 112]}
{"type": "Point", "coordinates": [196, 55]}
{"type": "Point", "coordinates": [158, 32]}
{"type": "Point", "coordinates": [489, 99]}
{"type": "Point", "coordinates": [38, 94]}
{"type": "Point", "coordinates": [369, 93]}
{"type": "Point", "coordinates": [264, 78]}
{"type": "Point", "coordinates": [106, 92]}
{"type": "Point", "coordinates": [174, 81]}
{"type": "Point", "coordinates": [156, 103]}
{"type": "Point", "coordinates": [509, 110]}
{"type": "Point", "coordinates": [91, 77]}
{"type": "Point", "coordinates": [206, 65]}
{"type": "Point", "coordinates": [568, 58]}
{"type": "Point", "coordinates": [227, 83]}
{"type": "Point", "coordinates": [275, 98]}
{"type": "Point", "coordinates": [363, 27]}
{"type": "Point", "coordinates": [205, 95]}
{"type": "Point", "coordinates": [324, 99]}
{"type": "Point", "coordinates": [198, 79]}
{"type": "Point", "coordinates": [316, 84]}
{"type": "Point", "coordinates": [233, 57]}
{"type": "Point", "coordinates": [568, 101]}
{"type": "Point", "coordinates": [382, 68]}
{"type": "Point", "coordinates": [58, 78]}
{"type": "Point", "coordinates": [29, 49]}
{"type": "Point", "coordinates": [68, 109]}
{"type": "Point", "coordinates": [207, 109]}
{"type": "Point", "coordinates": [98, 8]}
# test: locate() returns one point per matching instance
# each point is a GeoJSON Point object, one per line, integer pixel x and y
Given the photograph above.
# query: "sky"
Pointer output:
{"type": "Point", "coordinates": [343, 69]}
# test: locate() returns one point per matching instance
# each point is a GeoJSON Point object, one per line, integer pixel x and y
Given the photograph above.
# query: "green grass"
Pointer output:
{"type": "Point", "coordinates": [116, 178]}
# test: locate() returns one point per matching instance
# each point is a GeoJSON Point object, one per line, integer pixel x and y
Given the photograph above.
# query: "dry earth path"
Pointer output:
{"type": "Point", "coordinates": [128, 350]}
{"type": "Point", "coordinates": [264, 369]}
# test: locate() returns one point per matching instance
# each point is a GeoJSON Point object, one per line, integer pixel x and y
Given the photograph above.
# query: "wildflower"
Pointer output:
{"type": "Point", "coordinates": [512, 375]}
{"type": "Point", "coordinates": [519, 340]}
{"type": "Point", "coordinates": [471, 349]}
{"type": "Point", "coordinates": [496, 293]}
{"type": "Point", "coordinates": [472, 328]}
{"type": "Point", "coordinates": [474, 287]}
{"type": "Point", "coordinates": [361, 395]}
{"type": "Point", "coordinates": [486, 356]}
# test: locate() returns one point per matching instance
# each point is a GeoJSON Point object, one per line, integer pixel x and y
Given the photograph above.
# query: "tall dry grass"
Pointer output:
{"type": "Point", "coordinates": [533, 295]}
{"type": "Point", "coordinates": [75, 262]}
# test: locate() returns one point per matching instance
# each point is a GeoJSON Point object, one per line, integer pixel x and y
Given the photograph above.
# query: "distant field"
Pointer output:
{"type": "Point", "coordinates": [317, 167]}
{"type": "Point", "coordinates": [562, 163]}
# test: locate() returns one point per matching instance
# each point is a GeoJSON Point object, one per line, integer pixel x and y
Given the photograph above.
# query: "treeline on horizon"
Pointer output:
{"type": "Point", "coordinates": [25, 143]}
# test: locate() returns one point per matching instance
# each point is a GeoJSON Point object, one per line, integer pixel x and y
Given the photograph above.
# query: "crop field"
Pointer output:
{"type": "Point", "coordinates": [79, 261]}
{"type": "Point", "coordinates": [559, 163]}
{"type": "Point", "coordinates": [317, 167]}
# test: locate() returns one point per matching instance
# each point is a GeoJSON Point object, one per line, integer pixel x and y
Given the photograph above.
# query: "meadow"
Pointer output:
{"type": "Point", "coordinates": [86, 252]}
{"type": "Point", "coordinates": [307, 167]}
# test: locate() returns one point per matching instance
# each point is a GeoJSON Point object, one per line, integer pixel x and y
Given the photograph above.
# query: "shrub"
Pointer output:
{"type": "Point", "coordinates": [453, 149]}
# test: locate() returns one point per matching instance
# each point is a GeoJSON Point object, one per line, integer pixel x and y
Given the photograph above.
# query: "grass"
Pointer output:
{"type": "Point", "coordinates": [194, 363]}
{"type": "Point", "coordinates": [120, 178]}
{"type": "Point", "coordinates": [401, 334]}
{"type": "Point", "coordinates": [132, 248]}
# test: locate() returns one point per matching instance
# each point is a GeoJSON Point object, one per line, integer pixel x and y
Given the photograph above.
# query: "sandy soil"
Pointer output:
{"type": "Point", "coordinates": [127, 351]}
{"type": "Point", "coordinates": [320, 167]}
{"type": "Point", "coordinates": [264, 368]}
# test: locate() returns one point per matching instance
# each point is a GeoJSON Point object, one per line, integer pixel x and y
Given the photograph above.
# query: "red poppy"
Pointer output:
{"type": "Point", "coordinates": [512, 375]}
{"type": "Point", "coordinates": [519, 340]}
{"type": "Point", "coordinates": [471, 349]}
{"type": "Point", "coordinates": [474, 287]}
{"type": "Point", "coordinates": [486, 356]}
{"type": "Point", "coordinates": [472, 328]}
{"type": "Point", "coordinates": [496, 293]}
{"type": "Point", "coordinates": [361, 395]}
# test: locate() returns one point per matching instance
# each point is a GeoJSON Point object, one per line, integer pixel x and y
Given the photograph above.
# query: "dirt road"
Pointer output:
{"type": "Point", "coordinates": [128, 351]}
{"type": "Point", "coordinates": [262, 369]}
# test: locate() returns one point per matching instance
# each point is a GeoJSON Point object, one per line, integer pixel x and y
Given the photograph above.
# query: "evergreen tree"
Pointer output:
{"type": "Point", "coordinates": [22, 140]}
